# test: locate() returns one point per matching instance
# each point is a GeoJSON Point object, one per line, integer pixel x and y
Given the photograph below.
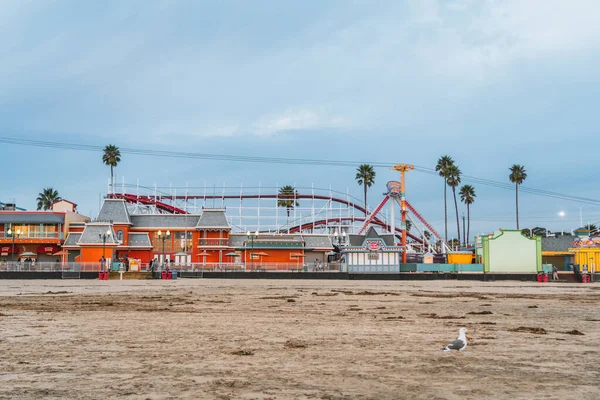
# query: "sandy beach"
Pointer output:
{"type": "Point", "coordinates": [268, 339]}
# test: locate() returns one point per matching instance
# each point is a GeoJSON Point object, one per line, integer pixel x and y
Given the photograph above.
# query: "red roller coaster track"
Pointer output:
{"type": "Point", "coordinates": [151, 200]}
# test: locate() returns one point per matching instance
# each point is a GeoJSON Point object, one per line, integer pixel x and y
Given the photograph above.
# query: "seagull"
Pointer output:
{"type": "Point", "coordinates": [460, 343]}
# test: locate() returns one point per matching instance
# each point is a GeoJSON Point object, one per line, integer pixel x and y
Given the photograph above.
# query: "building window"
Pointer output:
{"type": "Point", "coordinates": [157, 243]}
{"type": "Point", "coordinates": [183, 240]}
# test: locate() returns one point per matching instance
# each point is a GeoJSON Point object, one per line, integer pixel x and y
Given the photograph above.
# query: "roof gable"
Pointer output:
{"type": "Point", "coordinates": [93, 232]}
{"type": "Point", "coordinates": [213, 218]}
{"type": "Point", "coordinates": [115, 211]}
{"type": "Point", "coordinates": [139, 240]}
{"type": "Point", "coordinates": [359, 240]}
{"type": "Point", "coordinates": [72, 239]}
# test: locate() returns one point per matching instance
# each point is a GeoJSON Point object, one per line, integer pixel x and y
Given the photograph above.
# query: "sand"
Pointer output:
{"type": "Point", "coordinates": [276, 339]}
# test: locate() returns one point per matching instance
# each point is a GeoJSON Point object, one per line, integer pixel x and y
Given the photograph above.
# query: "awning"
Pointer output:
{"type": "Point", "coordinates": [47, 249]}
{"type": "Point", "coordinates": [8, 249]}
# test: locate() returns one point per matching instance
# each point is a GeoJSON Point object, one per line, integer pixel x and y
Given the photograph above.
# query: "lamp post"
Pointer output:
{"type": "Point", "coordinates": [251, 236]}
{"type": "Point", "coordinates": [17, 233]}
{"type": "Point", "coordinates": [104, 236]}
{"type": "Point", "coordinates": [561, 214]}
{"type": "Point", "coordinates": [164, 237]}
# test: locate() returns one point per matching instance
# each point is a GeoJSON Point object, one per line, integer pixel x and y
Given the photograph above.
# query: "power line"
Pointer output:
{"type": "Point", "coordinates": [288, 161]}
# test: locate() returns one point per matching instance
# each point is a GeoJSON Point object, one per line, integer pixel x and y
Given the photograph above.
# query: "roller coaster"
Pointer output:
{"type": "Point", "coordinates": [326, 214]}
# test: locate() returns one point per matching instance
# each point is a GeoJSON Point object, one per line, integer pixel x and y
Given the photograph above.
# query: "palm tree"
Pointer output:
{"type": "Point", "coordinates": [453, 180]}
{"type": "Point", "coordinates": [46, 198]}
{"type": "Point", "coordinates": [365, 176]}
{"type": "Point", "coordinates": [442, 166]}
{"type": "Point", "coordinates": [112, 157]}
{"type": "Point", "coordinates": [467, 196]}
{"type": "Point", "coordinates": [517, 176]}
{"type": "Point", "coordinates": [590, 227]}
{"type": "Point", "coordinates": [427, 235]}
{"type": "Point", "coordinates": [287, 198]}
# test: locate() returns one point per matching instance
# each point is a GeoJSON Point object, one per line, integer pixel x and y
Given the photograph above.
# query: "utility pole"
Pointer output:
{"type": "Point", "coordinates": [403, 168]}
{"type": "Point", "coordinates": [464, 231]}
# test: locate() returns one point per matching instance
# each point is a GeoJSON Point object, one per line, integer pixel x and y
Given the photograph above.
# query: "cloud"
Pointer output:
{"type": "Point", "coordinates": [296, 120]}
{"type": "Point", "coordinates": [130, 71]}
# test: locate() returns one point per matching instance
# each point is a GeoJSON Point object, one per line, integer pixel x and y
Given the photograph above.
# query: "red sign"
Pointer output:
{"type": "Point", "coordinates": [47, 249]}
{"type": "Point", "coordinates": [374, 246]}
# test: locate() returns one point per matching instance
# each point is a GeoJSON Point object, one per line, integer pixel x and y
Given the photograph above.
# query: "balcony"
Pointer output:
{"type": "Point", "coordinates": [32, 235]}
{"type": "Point", "coordinates": [213, 242]}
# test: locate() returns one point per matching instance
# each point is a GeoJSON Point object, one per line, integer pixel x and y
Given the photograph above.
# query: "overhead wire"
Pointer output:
{"type": "Point", "coordinates": [289, 161]}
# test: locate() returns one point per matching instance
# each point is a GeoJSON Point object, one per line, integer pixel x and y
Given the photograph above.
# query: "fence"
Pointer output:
{"type": "Point", "coordinates": [23, 266]}
{"type": "Point", "coordinates": [12, 266]}
{"type": "Point", "coordinates": [291, 267]}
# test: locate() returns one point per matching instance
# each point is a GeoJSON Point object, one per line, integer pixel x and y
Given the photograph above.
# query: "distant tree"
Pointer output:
{"type": "Point", "coordinates": [442, 166]}
{"type": "Point", "coordinates": [453, 180]}
{"type": "Point", "coordinates": [111, 157]}
{"type": "Point", "coordinates": [408, 225]}
{"type": "Point", "coordinates": [365, 176]}
{"type": "Point", "coordinates": [526, 232]}
{"type": "Point", "coordinates": [46, 198]}
{"type": "Point", "coordinates": [517, 176]}
{"type": "Point", "coordinates": [467, 196]}
{"type": "Point", "coordinates": [287, 198]}
{"type": "Point", "coordinates": [539, 231]}
{"type": "Point", "coordinates": [454, 242]}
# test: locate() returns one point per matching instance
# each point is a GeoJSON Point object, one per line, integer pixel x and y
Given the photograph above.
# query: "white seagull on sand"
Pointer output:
{"type": "Point", "coordinates": [460, 343]}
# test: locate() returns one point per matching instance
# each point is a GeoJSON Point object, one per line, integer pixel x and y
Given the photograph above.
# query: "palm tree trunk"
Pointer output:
{"type": "Point", "coordinates": [445, 211]}
{"type": "Point", "coordinates": [112, 180]}
{"type": "Point", "coordinates": [456, 209]}
{"type": "Point", "coordinates": [517, 197]}
{"type": "Point", "coordinates": [365, 187]}
{"type": "Point", "coordinates": [468, 223]}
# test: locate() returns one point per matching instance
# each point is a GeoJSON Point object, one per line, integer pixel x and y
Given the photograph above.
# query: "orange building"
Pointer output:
{"type": "Point", "coordinates": [36, 235]}
{"type": "Point", "coordinates": [203, 240]}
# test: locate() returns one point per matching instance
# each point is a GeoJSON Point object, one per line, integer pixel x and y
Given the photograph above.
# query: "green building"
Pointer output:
{"type": "Point", "coordinates": [509, 251]}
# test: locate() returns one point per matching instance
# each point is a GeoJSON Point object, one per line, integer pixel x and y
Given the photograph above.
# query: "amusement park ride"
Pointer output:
{"type": "Point", "coordinates": [261, 211]}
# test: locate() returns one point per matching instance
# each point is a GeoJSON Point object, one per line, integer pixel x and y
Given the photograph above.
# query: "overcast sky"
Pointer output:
{"type": "Point", "coordinates": [490, 83]}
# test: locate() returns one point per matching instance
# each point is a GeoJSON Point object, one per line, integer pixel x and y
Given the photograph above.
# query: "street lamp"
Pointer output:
{"type": "Point", "coordinates": [16, 234]}
{"type": "Point", "coordinates": [164, 237]}
{"type": "Point", "coordinates": [340, 237]}
{"type": "Point", "coordinates": [104, 236]}
{"type": "Point", "coordinates": [561, 214]}
{"type": "Point", "coordinates": [251, 236]}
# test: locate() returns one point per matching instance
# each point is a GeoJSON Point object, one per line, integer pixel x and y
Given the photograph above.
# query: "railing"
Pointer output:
{"type": "Point", "coordinates": [22, 266]}
{"type": "Point", "coordinates": [26, 266]}
{"type": "Point", "coordinates": [264, 266]}
{"type": "Point", "coordinates": [33, 235]}
{"type": "Point", "coordinates": [213, 242]}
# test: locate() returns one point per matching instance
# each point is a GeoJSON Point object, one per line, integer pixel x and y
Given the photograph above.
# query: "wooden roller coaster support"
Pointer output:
{"type": "Point", "coordinates": [403, 168]}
